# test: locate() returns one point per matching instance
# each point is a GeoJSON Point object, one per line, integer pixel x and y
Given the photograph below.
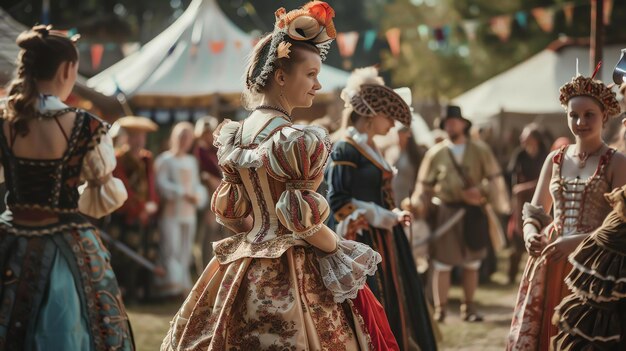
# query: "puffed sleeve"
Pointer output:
{"type": "Point", "coordinates": [102, 194]}
{"type": "Point", "coordinates": [230, 201]}
{"type": "Point", "coordinates": [297, 157]}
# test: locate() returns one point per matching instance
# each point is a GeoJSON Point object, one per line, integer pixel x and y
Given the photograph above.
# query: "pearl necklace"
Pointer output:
{"type": "Point", "coordinates": [275, 108]}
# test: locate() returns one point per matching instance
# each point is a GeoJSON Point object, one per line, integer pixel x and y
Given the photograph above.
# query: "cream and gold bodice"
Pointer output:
{"type": "Point", "coordinates": [271, 171]}
{"type": "Point", "coordinates": [579, 205]}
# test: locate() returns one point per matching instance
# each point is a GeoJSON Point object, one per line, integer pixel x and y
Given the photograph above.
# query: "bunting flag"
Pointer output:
{"type": "Point", "coordinates": [96, 55]}
{"type": "Point", "coordinates": [423, 31]}
{"type": "Point", "coordinates": [544, 17]}
{"type": "Point", "coordinates": [439, 35]}
{"type": "Point", "coordinates": [568, 11]}
{"type": "Point", "coordinates": [501, 27]}
{"type": "Point", "coordinates": [608, 10]}
{"type": "Point", "coordinates": [238, 44]}
{"type": "Point", "coordinates": [470, 27]}
{"type": "Point", "coordinates": [393, 37]}
{"type": "Point", "coordinates": [521, 18]}
{"type": "Point", "coordinates": [216, 46]}
{"type": "Point", "coordinates": [193, 50]}
{"type": "Point", "coordinates": [347, 43]}
{"type": "Point", "coordinates": [45, 12]}
{"type": "Point", "coordinates": [447, 31]}
{"type": "Point", "coordinates": [369, 38]}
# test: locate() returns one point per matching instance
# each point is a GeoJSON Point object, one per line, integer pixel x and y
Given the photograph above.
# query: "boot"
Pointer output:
{"type": "Point", "coordinates": [469, 313]}
{"type": "Point", "coordinates": [440, 313]}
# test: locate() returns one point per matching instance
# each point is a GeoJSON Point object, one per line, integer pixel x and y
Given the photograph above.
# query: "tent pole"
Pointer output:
{"type": "Point", "coordinates": [121, 98]}
{"type": "Point", "coordinates": [215, 106]}
{"type": "Point", "coordinates": [596, 35]}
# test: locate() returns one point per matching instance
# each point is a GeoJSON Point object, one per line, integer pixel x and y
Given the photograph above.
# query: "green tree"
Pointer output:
{"type": "Point", "coordinates": [446, 69]}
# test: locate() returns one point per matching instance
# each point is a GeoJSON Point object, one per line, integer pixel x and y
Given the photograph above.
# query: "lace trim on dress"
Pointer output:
{"type": "Point", "coordinates": [232, 152]}
{"type": "Point", "coordinates": [345, 271]}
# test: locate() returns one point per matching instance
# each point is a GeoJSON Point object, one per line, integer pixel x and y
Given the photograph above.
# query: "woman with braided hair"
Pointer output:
{"type": "Point", "coordinates": [57, 288]}
{"type": "Point", "coordinates": [284, 281]}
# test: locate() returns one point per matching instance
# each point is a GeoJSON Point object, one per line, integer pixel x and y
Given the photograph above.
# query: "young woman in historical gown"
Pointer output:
{"type": "Point", "coordinates": [361, 198]}
{"type": "Point", "coordinates": [573, 181]}
{"type": "Point", "coordinates": [57, 288]}
{"type": "Point", "coordinates": [284, 281]}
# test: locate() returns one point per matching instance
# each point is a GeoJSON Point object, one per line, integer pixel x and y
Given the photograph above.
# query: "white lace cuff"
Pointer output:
{"type": "Point", "coordinates": [344, 272]}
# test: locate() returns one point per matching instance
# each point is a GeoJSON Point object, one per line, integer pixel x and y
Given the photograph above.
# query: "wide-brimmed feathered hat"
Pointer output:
{"type": "Point", "coordinates": [367, 94]}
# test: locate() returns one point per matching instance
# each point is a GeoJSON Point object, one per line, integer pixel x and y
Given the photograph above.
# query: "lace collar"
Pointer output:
{"type": "Point", "coordinates": [361, 139]}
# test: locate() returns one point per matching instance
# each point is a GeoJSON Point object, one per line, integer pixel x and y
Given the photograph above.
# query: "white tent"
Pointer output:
{"type": "Point", "coordinates": [200, 54]}
{"type": "Point", "coordinates": [532, 87]}
{"type": "Point", "coordinates": [9, 30]}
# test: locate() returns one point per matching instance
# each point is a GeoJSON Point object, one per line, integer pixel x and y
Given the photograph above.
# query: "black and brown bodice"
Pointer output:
{"type": "Point", "coordinates": [50, 186]}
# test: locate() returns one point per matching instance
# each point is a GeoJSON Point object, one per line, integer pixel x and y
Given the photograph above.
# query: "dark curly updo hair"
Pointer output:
{"type": "Point", "coordinates": [42, 52]}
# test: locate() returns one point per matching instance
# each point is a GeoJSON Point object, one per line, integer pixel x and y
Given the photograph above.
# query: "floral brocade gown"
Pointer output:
{"type": "Point", "coordinates": [267, 288]}
{"type": "Point", "coordinates": [579, 207]}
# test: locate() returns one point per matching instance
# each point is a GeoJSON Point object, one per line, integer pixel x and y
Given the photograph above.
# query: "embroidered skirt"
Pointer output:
{"type": "Point", "coordinates": [58, 291]}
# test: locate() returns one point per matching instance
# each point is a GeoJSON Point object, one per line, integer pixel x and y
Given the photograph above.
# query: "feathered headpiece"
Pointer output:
{"type": "Point", "coordinates": [367, 94]}
{"type": "Point", "coordinates": [313, 23]}
{"type": "Point", "coordinates": [587, 86]}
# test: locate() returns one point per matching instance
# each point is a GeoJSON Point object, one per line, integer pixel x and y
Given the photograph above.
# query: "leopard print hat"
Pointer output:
{"type": "Point", "coordinates": [367, 94]}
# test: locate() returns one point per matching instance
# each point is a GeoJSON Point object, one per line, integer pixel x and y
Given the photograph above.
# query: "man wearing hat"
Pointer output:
{"type": "Point", "coordinates": [460, 175]}
{"type": "Point", "coordinates": [133, 223]}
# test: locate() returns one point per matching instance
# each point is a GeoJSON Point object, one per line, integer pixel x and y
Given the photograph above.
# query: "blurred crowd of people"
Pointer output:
{"type": "Point", "coordinates": [365, 235]}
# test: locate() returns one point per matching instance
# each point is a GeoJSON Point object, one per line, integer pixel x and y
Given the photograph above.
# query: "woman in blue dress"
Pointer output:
{"type": "Point", "coordinates": [57, 289]}
{"type": "Point", "coordinates": [362, 202]}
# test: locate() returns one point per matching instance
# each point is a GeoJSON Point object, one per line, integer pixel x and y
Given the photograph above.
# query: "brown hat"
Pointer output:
{"type": "Point", "coordinates": [137, 123]}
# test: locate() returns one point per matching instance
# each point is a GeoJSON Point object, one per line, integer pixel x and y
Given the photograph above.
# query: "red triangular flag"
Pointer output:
{"type": "Point", "coordinates": [393, 37]}
{"type": "Point", "coordinates": [96, 55]}
{"type": "Point", "coordinates": [568, 11]}
{"type": "Point", "coordinates": [347, 43]}
{"type": "Point", "coordinates": [501, 26]}
{"type": "Point", "coordinates": [608, 10]}
{"type": "Point", "coordinates": [216, 46]}
{"type": "Point", "coordinates": [544, 17]}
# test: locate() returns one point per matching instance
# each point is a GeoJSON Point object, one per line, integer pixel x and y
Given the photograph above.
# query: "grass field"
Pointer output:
{"type": "Point", "coordinates": [150, 322]}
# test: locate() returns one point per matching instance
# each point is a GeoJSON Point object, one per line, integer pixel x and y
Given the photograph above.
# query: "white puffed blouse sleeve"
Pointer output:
{"type": "Point", "coordinates": [102, 193]}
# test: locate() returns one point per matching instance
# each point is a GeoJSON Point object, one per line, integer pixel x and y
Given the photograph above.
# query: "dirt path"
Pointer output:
{"type": "Point", "coordinates": [495, 302]}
